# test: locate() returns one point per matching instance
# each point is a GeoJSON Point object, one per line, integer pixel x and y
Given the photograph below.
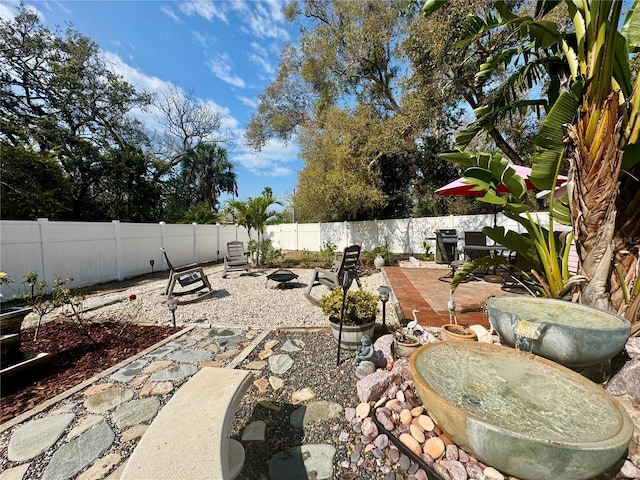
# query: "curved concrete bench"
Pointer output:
{"type": "Point", "coordinates": [189, 438]}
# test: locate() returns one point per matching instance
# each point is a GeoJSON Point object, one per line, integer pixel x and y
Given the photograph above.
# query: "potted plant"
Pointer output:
{"type": "Point", "coordinates": [10, 324]}
{"type": "Point", "coordinates": [405, 343]}
{"type": "Point", "coordinates": [359, 318]}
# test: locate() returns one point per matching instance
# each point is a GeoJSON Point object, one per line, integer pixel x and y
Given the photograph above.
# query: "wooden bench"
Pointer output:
{"type": "Point", "coordinates": [189, 438]}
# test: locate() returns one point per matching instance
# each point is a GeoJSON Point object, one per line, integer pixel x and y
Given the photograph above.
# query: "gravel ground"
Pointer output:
{"type": "Point", "coordinates": [239, 300]}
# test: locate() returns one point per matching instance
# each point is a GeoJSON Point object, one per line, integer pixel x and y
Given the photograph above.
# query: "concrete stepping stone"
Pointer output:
{"type": "Point", "coordinates": [126, 374]}
{"type": "Point", "coordinates": [315, 412]}
{"type": "Point", "coordinates": [136, 412]}
{"type": "Point", "coordinates": [162, 351]}
{"type": "Point", "coordinates": [181, 343]}
{"type": "Point", "coordinates": [280, 363]}
{"type": "Point", "coordinates": [35, 437]}
{"type": "Point", "coordinates": [254, 432]}
{"type": "Point", "coordinates": [191, 355]}
{"type": "Point", "coordinates": [175, 372]}
{"type": "Point", "coordinates": [107, 399]}
{"type": "Point", "coordinates": [306, 461]}
{"type": "Point", "coordinates": [79, 453]}
{"type": "Point", "coordinates": [294, 345]}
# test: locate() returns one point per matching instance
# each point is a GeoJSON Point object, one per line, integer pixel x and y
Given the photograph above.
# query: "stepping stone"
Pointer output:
{"type": "Point", "coordinates": [84, 425]}
{"type": "Point", "coordinates": [315, 412]}
{"type": "Point", "coordinates": [176, 372]}
{"type": "Point", "coordinates": [280, 363]}
{"type": "Point", "coordinates": [156, 388]}
{"type": "Point", "coordinates": [129, 372]}
{"type": "Point", "coordinates": [261, 384]}
{"type": "Point", "coordinates": [254, 432]}
{"type": "Point", "coordinates": [228, 354]}
{"type": "Point", "coordinates": [93, 389]}
{"type": "Point", "coordinates": [276, 382]}
{"type": "Point", "coordinates": [79, 453]}
{"type": "Point", "coordinates": [107, 399]}
{"type": "Point", "coordinates": [101, 467]}
{"type": "Point", "coordinates": [229, 337]}
{"type": "Point", "coordinates": [134, 432]}
{"type": "Point", "coordinates": [15, 473]}
{"type": "Point", "coordinates": [191, 355]}
{"type": "Point", "coordinates": [294, 345]}
{"type": "Point", "coordinates": [162, 351]}
{"type": "Point", "coordinates": [181, 343]}
{"type": "Point", "coordinates": [35, 437]}
{"type": "Point", "coordinates": [270, 344]}
{"type": "Point", "coordinates": [265, 354]}
{"type": "Point", "coordinates": [135, 412]}
{"type": "Point", "coordinates": [157, 365]}
{"type": "Point", "coordinates": [306, 461]}
{"type": "Point", "coordinates": [302, 396]}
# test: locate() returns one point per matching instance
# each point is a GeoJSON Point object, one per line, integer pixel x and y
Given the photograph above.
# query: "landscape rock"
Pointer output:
{"type": "Point", "coordinates": [373, 386]}
{"type": "Point", "coordinates": [627, 380]}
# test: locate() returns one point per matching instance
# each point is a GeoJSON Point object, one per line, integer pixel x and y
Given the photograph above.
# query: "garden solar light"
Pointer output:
{"type": "Point", "coordinates": [383, 293]}
{"type": "Point", "coordinates": [172, 304]}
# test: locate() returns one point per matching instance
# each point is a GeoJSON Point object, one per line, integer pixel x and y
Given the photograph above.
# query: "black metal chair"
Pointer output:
{"type": "Point", "coordinates": [185, 276]}
{"type": "Point", "coordinates": [472, 239]}
{"type": "Point", "coordinates": [447, 257]}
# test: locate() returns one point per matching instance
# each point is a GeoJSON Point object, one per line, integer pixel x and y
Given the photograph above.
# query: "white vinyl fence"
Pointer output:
{"type": "Point", "coordinates": [97, 252]}
{"type": "Point", "coordinates": [402, 235]}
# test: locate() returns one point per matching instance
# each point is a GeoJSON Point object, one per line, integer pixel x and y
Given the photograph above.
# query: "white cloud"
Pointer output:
{"type": "Point", "coordinates": [204, 8]}
{"type": "Point", "coordinates": [274, 160]}
{"type": "Point", "coordinates": [266, 66]}
{"type": "Point", "coordinates": [169, 13]}
{"type": "Point", "coordinates": [9, 10]}
{"type": "Point", "coordinates": [221, 68]}
{"type": "Point", "coordinates": [249, 102]}
{"type": "Point", "coordinates": [262, 18]}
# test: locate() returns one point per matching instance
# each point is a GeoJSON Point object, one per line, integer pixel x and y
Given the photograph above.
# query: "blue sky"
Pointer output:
{"type": "Point", "coordinates": [225, 52]}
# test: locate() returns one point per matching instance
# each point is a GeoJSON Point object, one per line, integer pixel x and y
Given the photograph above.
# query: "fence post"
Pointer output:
{"type": "Point", "coordinates": [45, 249]}
{"type": "Point", "coordinates": [195, 241]}
{"type": "Point", "coordinates": [164, 262]}
{"type": "Point", "coordinates": [118, 240]}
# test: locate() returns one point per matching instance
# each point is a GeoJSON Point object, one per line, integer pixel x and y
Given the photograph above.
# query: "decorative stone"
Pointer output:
{"type": "Point", "coordinates": [84, 425]}
{"type": "Point", "coordinates": [162, 351]}
{"type": "Point", "coordinates": [270, 344]}
{"type": "Point", "coordinates": [491, 473]}
{"type": "Point", "coordinates": [101, 467]}
{"type": "Point", "coordinates": [632, 347]}
{"type": "Point", "coordinates": [212, 363]}
{"type": "Point", "coordinates": [362, 410]}
{"type": "Point", "coordinates": [627, 380]}
{"type": "Point", "coordinates": [384, 345]}
{"type": "Point", "coordinates": [400, 396]}
{"type": "Point", "coordinates": [383, 415]}
{"type": "Point", "coordinates": [254, 432]}
{"type": "Point", "coordinates": [229, 354]}
{"type": "Point", "coordinates": [434, 446]}
{"type": "Point", "coordinates": [416, 433]}
{"type": "Point", "coordinates": [381, 441]}
{"type": "Point", "coordinates": [261, 384]}
{"type": "Point", "coordinates": [15, 473]}
{"type": "Point", "coordinates": [139, 380]}
{"type": "Point", "coordinates": [264, 354]}
{"type": "Point", "coordinates": [134, 432]}
{"type": "Point", "coordinates": [128, 372]}
{"type": "Point", "coordinates": [276, 382]}
{"type": "Point", "coordinates": [256, 365]}
{"type": "Point", "coordinates": [482, 333]}
{"type": "Point", "coordinates": [301, 396]}
{"type": "Point", "coordinates": [292, 345]}
{"type": "Point", "coordinates": [417, 411]}
{"type": "Point", "coordinates": [156, 388]}
{"type": "Point", "coordinates": [135, 412]}
{"type": "Point", "coordinates": [79, 453]}
{"type": "Point", "coordinates": [175, 372]}
{"type": "Point", "coordinates": [373, 386]}
{"type": "Point", "coordinates": [369, 428]}
{"type": "Point", "coordinates": [157, 365]}
{"type": "Point", "coordinates": [411, 443]}
{"type": "Point", "coordinates": [93, 389]}
{"type": "Point", "coordinates": [306, 461]}
{"type": "Point", "coordinates": [269, 405]}
{"type": "Point", "coordinates": [405, 416]}
{"type": "Point", "coordinates": [426, 423]}
{"type": "Point", "coordinates": [315, 412]}
{"type": "Point", "coordinates": [107, 399]}
{"type": "Point", "coordinates": [451, 452]}
{"type": "Point", "coordinates": [365, 368]}
{"type": "Point", "coordinates": [280, 363]}
{"type": "Point", "coordinates": [35, 437]}
{"type": "Point", "coordinates": [191, 355]}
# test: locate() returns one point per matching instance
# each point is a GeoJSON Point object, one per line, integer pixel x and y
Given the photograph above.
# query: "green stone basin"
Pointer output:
{"type": "Point", "coordinates": [520, 413]}
{"type": "Point", "coordinates": [572, 334]}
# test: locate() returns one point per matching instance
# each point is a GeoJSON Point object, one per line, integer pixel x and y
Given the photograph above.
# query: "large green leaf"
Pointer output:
{"type": "Point", "coordinates": [431, 6]}
{"type": "Point", "coordinates": [550, 141]}
{"type": "Point", "coordinates": [631, 28]}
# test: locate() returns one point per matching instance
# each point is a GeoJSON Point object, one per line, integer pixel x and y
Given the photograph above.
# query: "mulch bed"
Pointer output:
{"type": "Point", "coordinates": [74, 357]}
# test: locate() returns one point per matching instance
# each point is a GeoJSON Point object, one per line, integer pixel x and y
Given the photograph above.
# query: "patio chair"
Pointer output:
{"type": "Point", "coordinates": [447, 257]}
{"type": "Point", "coordinates": [332, 278]}
{"type": "Point", "coordinates": [187, 275]}
{"type": "Point", "coordinates": [236, 259]}
{"type": "Point", "coordinates": [472, 239]}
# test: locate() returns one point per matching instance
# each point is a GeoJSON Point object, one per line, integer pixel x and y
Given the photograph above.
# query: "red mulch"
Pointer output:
{"type": "Point", "coordinates": [73, 359]}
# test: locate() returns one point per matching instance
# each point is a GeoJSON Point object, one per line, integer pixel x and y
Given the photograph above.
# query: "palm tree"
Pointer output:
{"type": "Point", "coordinates": [594, 123]}
{"type": "Point", "coordinates": [208, 170]}
{"type": "Point", "coordinates": [255, 214]}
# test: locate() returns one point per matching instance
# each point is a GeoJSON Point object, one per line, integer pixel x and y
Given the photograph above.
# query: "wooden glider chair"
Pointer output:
{"type": "Point", "coordinates": [236, 259]}
{"type": "Point", "coordinates": [332, 278]}
{"type": "Point", "coordinates": [185, 276]}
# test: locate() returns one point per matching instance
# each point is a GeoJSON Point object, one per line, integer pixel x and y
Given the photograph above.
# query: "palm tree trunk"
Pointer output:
{"type": "Point", "coordinates": [593, 187]}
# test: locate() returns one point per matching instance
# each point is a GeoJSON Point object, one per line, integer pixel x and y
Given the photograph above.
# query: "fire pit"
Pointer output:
{"type": "Point", "coordinates": [282, 277]}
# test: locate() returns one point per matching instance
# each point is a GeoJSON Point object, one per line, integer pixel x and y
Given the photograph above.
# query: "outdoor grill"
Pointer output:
{"type": "Point", "coordinates": [450, 240]}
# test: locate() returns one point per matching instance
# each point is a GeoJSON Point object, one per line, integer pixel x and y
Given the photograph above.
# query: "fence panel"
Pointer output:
{"type": "Point", "coordinates": [139, 244]}
{"type": "Point", "coordinates": [20, 253]}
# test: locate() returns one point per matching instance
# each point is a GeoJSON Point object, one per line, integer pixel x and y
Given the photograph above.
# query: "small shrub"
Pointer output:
{"type": "Point", "coordinates": [327, 252]}
{"type": "Point", "coordinates": [360, 306]}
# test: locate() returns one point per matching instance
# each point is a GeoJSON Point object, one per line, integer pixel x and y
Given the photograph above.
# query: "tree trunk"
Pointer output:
{"type": "Point", "coordinates": [593, 187]}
